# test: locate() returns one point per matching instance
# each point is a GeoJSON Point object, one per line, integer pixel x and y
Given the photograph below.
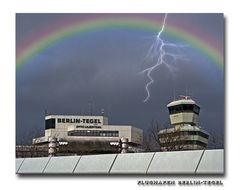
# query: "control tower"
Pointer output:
{"type": "Point", "coordinates": [185, 133]}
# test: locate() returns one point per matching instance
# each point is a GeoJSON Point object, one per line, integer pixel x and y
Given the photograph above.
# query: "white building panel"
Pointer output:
{"type": "Point", "coordinates": [212, 162]}
{"type": "Point", "coordinates": [95, 164]}
{"type": "Point", "coordinates": [33, 165]}
{"type": "Point", "coordinates": [132, 163]}
{"type": "Point", "coordinates": [18, 163]}
{"type": "Point", "coordinates": [62, 165]}
{"type": "Point", "coordinates": [177, 162]}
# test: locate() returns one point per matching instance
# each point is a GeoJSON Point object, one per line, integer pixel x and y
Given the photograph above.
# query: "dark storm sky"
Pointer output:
{"type": "Point", "coordinates": [103, 68]}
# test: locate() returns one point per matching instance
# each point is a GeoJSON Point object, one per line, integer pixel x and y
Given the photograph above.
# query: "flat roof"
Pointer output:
{"type": "Point", "coordinates": [182, 101]}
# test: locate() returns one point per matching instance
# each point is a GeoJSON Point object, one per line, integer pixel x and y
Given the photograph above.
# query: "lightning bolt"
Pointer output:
{"type": "Point", "coordinates": [157, 51]}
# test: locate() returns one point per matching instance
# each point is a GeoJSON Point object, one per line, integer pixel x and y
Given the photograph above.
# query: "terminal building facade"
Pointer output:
{"type": "Point", "coordinates": [186, 133]}
{"type": "Point", "coordinates": [88, 132]}
{"type": "Point", "coordinates": [93, 134]}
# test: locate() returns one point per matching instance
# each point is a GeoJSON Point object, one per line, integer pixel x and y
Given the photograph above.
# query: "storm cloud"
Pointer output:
{"type": "Point", "coordinates": [103, 68]}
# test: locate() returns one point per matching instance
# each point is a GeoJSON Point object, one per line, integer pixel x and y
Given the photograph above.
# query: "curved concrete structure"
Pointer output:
{"type": "Point", "coordinates": [178, 162]}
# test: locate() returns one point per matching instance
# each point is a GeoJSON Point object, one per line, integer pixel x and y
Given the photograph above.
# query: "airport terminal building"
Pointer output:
{"type": "Point", "coordinates": [87, 129]}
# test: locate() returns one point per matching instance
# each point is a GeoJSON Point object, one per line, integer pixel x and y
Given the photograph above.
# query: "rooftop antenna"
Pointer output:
{"type": "Point", "coordinates": [90, 108]}
{"type": "Point", "coordinates": [192, 94]}
{"type": "Point", "coordinates": [102, 112]}
{"type": "Point", "coordinates": [107, 111]}
{"type": "Point", "coordinates": [186, 91]}
{"type": "Point", "coordinates": [81, 112]}
{"type": "Point", "coordinates": [174, 94]}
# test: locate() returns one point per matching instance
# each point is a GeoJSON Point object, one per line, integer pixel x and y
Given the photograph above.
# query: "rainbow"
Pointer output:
{"type": "Point", "coordinates": [66, 28]}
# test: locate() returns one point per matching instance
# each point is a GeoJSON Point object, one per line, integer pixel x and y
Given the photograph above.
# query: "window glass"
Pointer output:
{"type": "Point", "coordinates": [93, 133]}
{"type": "Point", "coordinates": [190, 107]}
{"type": "Point", "coordinates": [177, 108]}
{"type": "Point", "coordinates": [196, 109]}
{"type": "Point", "coordinates": [184, 108]}
{"type": "Point", "coordinates": [50, 124]}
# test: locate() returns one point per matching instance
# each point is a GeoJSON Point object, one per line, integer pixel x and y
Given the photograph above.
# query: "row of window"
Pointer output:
{"type": "Point", "coordinates": [182, 143]}
{"type": "Point", "coordinates": [183, 133]}
{"type": "Point", "coordinates": [199, 133]}
{"type": "Point", "coordinates": [184, 108]}
{"type": "Point", "coordinates": [93, 133]}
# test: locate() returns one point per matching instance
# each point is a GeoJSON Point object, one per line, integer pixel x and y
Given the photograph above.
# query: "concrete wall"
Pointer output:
{"type": "Point", "coordinates": [179, 162]}
{"type": "Point", "coordinates": [136, 135]}
{"type": "Point", "coordinates": [184, 117]}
